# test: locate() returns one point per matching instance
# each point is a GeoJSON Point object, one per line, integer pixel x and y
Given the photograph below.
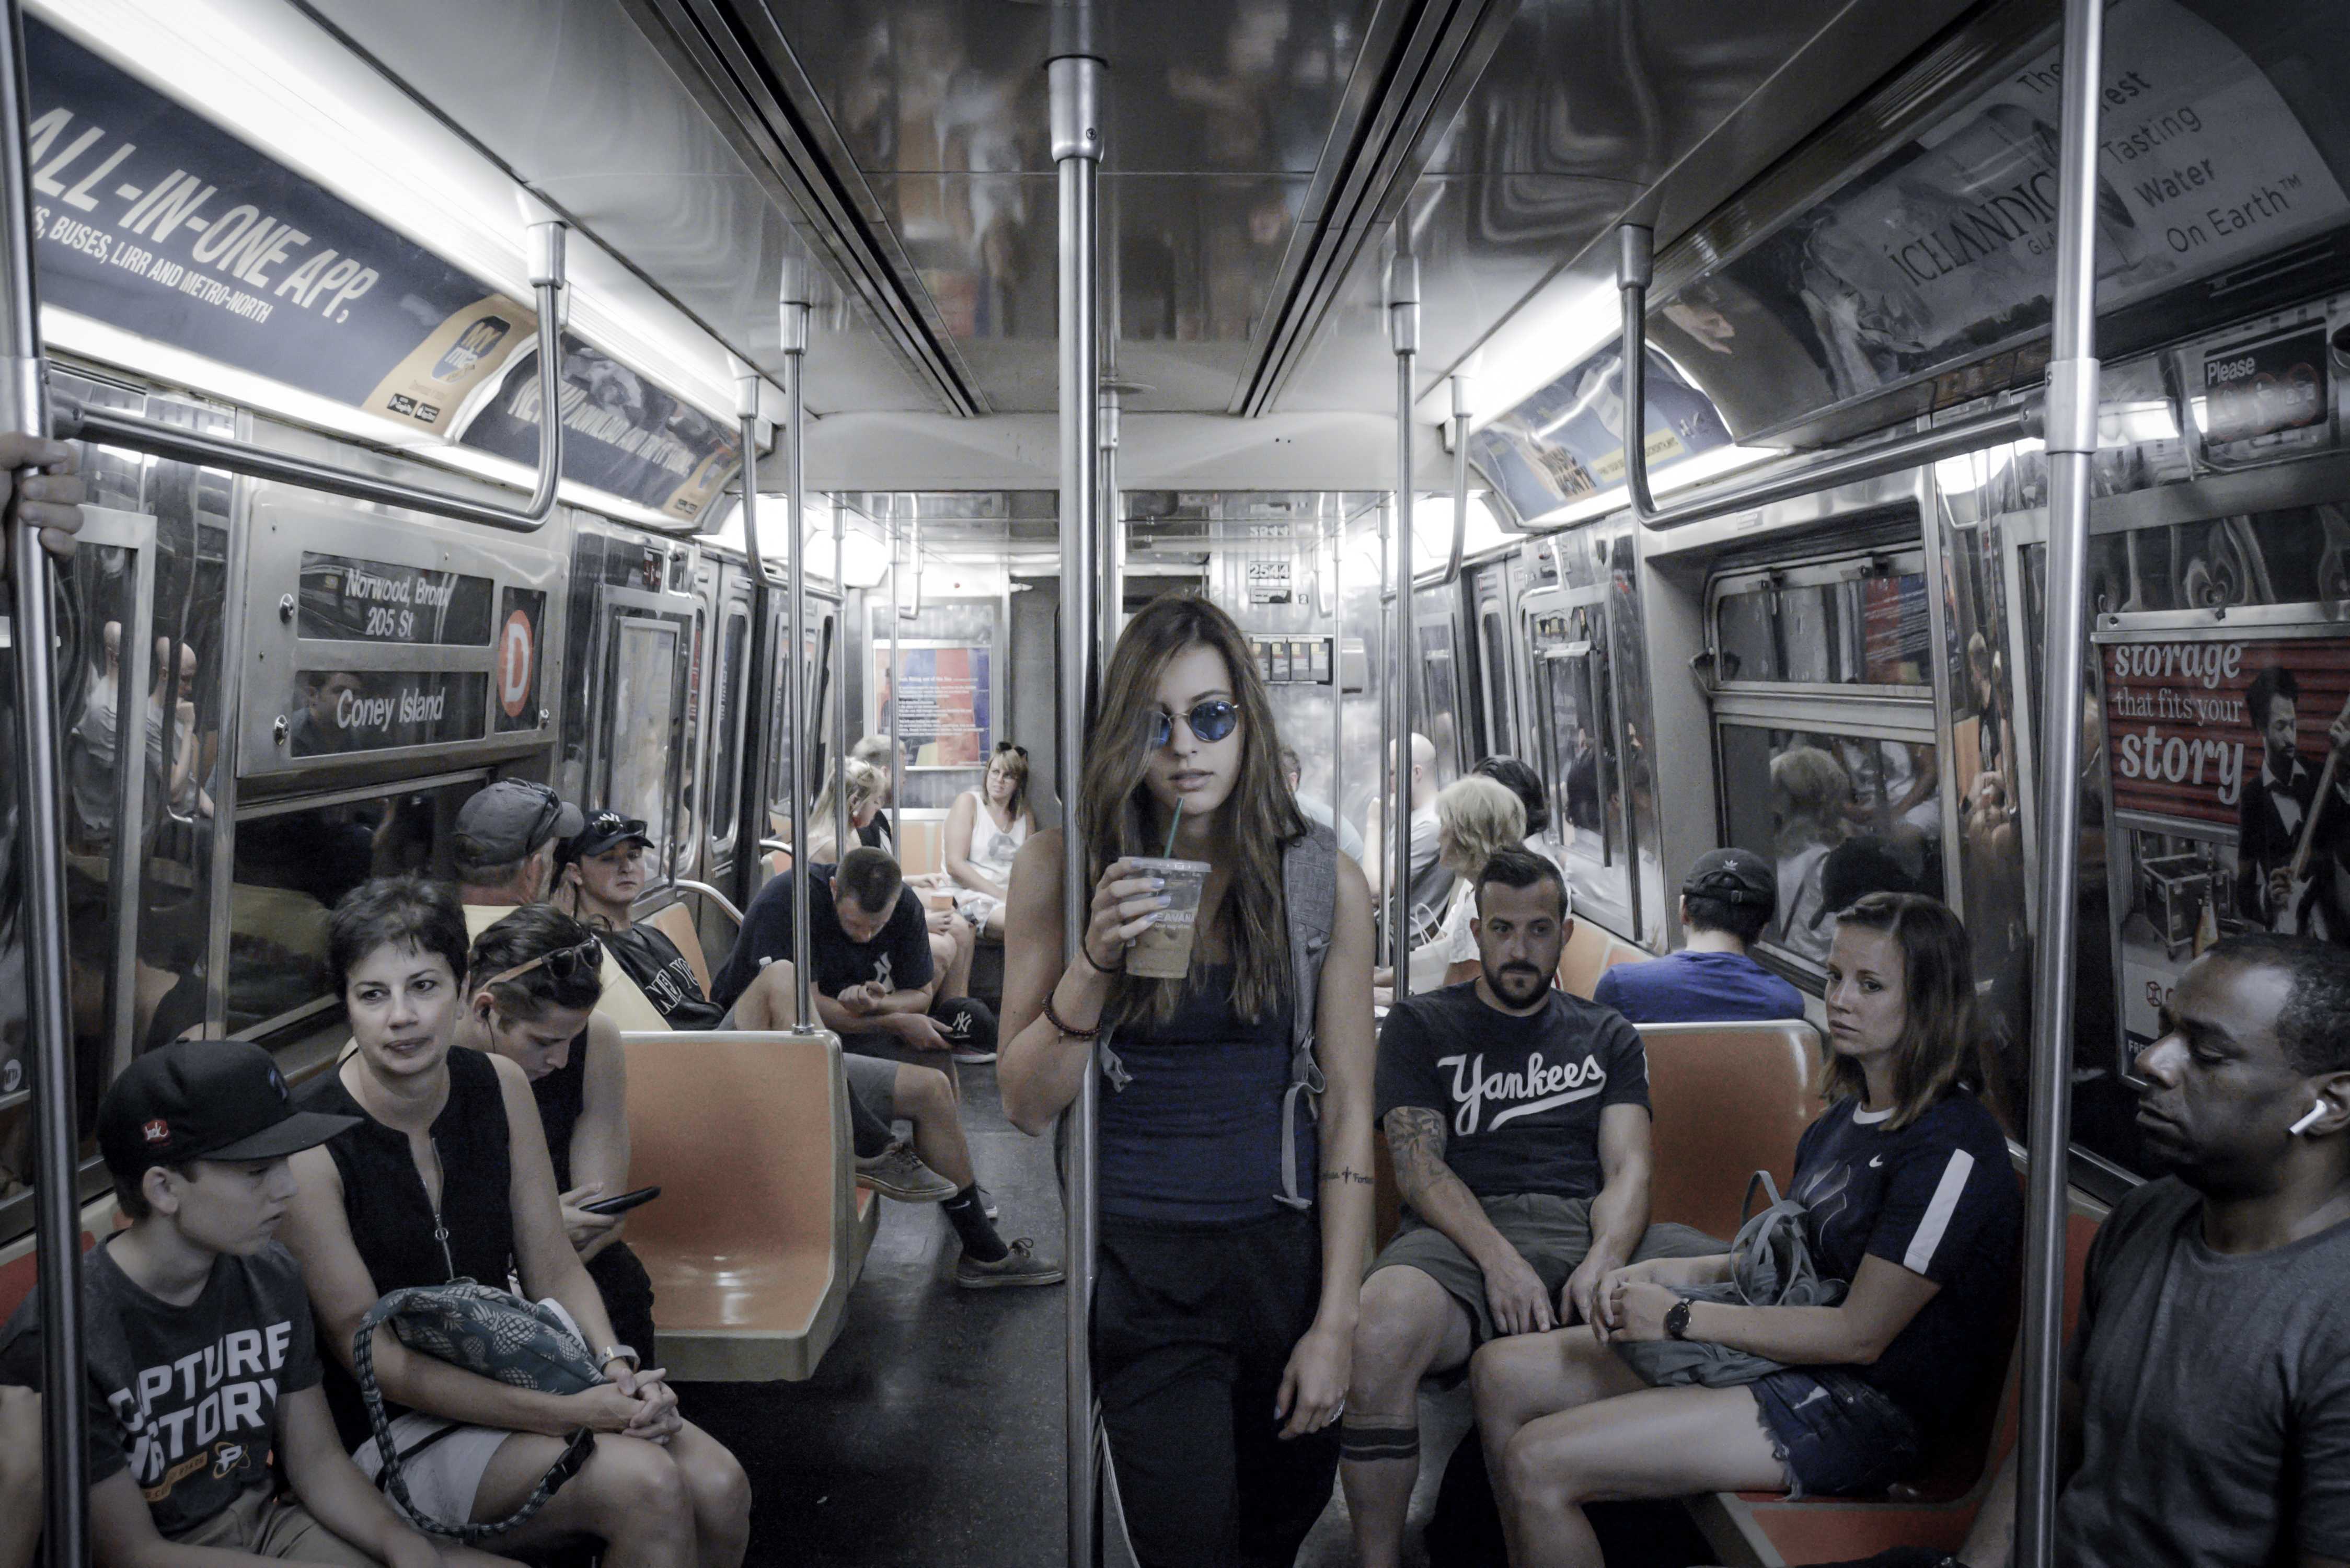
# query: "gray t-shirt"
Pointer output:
{"type": "Point", "coordinates": [2216, 1395]}
{"type": "Point", "coordinates": [185, 1398]}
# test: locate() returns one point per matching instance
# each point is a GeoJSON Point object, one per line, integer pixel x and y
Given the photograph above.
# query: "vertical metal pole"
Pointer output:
{"type": "Point", "coordinates": [40, 848]}
{"type": "Point", "coordinates": [1403, 336]}
{"type": "Point", "coordinates": [793, 315]}
{"type": "Point", "coordinates": [1337, 658]}
{"type": "Point", "coordinates": [1076, 82]}
{"type": "Point", "coordinates": [841, 691]}
{"type": "Point", "coordinates": [1109, 592]}
{"type": "Point", "coordinates": [897, 757]}
{"type": "Point", "coordinates": [2071, 443]}
{"type": "Point", "coordinates": [758, 744]}
{"type": "Point", "coordinates": [1382, 661]}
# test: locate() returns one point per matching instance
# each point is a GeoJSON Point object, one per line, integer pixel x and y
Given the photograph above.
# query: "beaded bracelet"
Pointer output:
{"type": "Point", "coordinates": [1062, 1025]}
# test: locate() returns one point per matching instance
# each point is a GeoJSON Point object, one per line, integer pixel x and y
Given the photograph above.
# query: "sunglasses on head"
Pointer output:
{"type": "Point", "coordinates": [550, 811]}
{"type": "Point", "coordinates": [564, 964]}
{"type": "Point", "coordinates": [1210, 721]}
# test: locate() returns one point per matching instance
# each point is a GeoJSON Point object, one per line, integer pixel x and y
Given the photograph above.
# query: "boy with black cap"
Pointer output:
{"type": "Point", "coordinates": [203, 1377]}
{"type": "Point", "coordinates": [1727, 899]}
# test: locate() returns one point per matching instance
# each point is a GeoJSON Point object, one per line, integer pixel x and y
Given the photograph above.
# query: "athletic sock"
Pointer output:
{"type": "Point", "coordinates": [981, 1244]}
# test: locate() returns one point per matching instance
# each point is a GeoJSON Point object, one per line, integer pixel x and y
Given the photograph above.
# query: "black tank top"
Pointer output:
{"type": "Point", "coordinates": [391, 1219]}
{"type": "Point", "coordinates": [1194, 1137]}
{"type": "Point", "coordinates": [562, 1095]}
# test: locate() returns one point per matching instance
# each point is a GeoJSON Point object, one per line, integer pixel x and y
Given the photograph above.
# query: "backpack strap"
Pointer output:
{"type": "Point", "coordinates": [1309, 885]}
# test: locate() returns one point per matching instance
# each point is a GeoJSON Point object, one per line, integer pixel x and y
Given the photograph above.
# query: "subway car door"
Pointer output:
{"type": "Point", "coordinates": [728, 605]}
{"type": "Point", "coordinates": [644, 660]}
{"type": "Point", "coordinates": [1576, 726]}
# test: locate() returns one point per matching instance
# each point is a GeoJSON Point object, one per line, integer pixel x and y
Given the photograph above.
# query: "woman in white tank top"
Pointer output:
{"type": "Point", "coordinates": [985, 830]}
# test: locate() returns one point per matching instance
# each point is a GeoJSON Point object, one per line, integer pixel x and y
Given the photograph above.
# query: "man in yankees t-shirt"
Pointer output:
{"type": "Point", "coordinates": [1517, 1117]}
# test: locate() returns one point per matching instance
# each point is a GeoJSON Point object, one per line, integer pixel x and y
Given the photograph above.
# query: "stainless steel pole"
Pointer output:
{"type": "Point", "coordinates": [1384, 662]}
{"type": "Point", "coordinates": [841, 691]}
{"type": "Point", "coordinates": [2072, 443]}
{"type": "Point", "coordinates": [1109, 591]}
{"type": "Point", "coordinates": [793, 314]}
{"type": "Point", "coordinates": [1076, 82]}
{"type": "Point", "coordinates": [1403, 336]}
{"type": "Point", "coordinates": [40, 849]}
{"type": "Point", "coordinates": [758, 741]}
{"type": "Point", "coordinates": [1337, 658]}
{"type": "Point", "coordinates": [897, 757]}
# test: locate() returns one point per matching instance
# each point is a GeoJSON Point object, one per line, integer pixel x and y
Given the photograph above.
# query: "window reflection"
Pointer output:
{"type": "Point", "coordinates": [1838, 815]}
{"type": "Point", "coordinates": [1863, 630]}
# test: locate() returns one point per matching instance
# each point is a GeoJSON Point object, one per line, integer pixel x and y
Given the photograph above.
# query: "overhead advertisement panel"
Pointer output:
{"type": "Point", "coordinates": [153, 220]}
{"type": "Point", "coordinates": [1568, 439]}
{"type": "Point", "coordinates": [1943, 250]}
{"type": "Point", "coordinates": [623, 434]}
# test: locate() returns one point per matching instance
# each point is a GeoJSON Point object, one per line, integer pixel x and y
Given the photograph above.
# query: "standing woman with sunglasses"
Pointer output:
{"type": "Point", "coordinates": [445, 1176]}
{"type": "Point", "coordinates": [985, 828]}
{"type": "Point", "coordinates": [1233, 1217]}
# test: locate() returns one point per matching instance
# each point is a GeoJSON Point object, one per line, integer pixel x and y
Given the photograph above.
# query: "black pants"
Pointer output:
{"type": "Point", "coordinates": [1192, 1328]}
{"type": "Point", "coordinates": [628, 1291]}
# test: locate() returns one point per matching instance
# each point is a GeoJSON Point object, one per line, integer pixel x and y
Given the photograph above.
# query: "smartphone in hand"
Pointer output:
{"type": "Point", "coordinates": [623, 1203]}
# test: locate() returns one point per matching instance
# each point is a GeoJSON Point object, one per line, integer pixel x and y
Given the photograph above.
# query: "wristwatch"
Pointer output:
{"type": "Point", "coordinates": [611, 1352]}
{"type": "Point", "coordinates": [1676, 1319]}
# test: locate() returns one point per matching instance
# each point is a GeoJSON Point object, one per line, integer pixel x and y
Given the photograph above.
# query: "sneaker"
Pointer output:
{"type": "Point", "coordinates": [975, 1058]}
{"type": "Point", "coordinates": [897, 1173]}
{"type": "Point", "coordinates": [1019, 1266]}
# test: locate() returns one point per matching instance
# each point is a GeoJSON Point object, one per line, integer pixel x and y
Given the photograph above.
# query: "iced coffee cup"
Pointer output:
{"type": "Point", "coordinates": [1164, 950]}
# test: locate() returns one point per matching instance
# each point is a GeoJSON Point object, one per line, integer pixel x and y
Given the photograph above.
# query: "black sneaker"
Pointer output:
{"type": "Point", "coordinates": [1018, 1266]}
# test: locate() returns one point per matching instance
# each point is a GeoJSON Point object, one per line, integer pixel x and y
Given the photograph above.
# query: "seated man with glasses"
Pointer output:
{"type": "Point", "coordinates": [506, 839]}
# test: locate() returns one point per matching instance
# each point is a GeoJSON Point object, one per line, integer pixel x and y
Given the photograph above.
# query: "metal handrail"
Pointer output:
{"type": "Point", "coordinates": [76, 421]}
{"type": "Point", "coordinates": [1450, 572]}
{"type": "Point", "coordinates": [685, 885]}
{"type": "Point", "coordinates": [1800, 477]}
{"type": "Point", "coordinates": [1403, 338]}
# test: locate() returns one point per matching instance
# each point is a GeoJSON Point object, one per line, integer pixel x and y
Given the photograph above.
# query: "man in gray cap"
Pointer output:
{"type": "Point", "coordinates": [506, 836]}
{"type": "Point", "coordinates": [1727, 899]}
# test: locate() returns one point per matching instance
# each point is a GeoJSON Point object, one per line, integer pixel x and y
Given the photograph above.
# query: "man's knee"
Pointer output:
{"type": "Point", "coordinates": [922, 1092]}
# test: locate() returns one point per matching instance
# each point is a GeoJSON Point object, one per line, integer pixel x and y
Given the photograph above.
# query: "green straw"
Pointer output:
{"type": "Point", "coordinates": [1169, 853]}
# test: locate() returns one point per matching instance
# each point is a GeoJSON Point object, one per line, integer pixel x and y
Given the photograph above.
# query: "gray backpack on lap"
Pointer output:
{"type": "Point", "coordinates": [1771, 1265]}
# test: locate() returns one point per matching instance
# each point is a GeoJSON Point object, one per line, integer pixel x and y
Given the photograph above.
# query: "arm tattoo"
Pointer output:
{"type": "Point", "coordinates": [1416, 1144]}
{"type": "Point", "coordinates": [1347, 1173]}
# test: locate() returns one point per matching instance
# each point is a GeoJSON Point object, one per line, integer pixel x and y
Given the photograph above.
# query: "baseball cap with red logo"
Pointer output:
{"type": "Point", "coordinates": [204, 1099]}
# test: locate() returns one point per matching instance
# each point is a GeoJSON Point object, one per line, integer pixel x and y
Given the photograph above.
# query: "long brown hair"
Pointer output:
{"type": "Point", "coordinates": [1942, 1045]}
{"type": "Point", "coordinates": [1261, 817]}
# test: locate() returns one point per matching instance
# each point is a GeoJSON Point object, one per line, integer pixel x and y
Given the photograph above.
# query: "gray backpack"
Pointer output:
{"type": "Point", "coordinates": [1309, 886]}
{"type": "Point", "coordinates": [1771, 1265]}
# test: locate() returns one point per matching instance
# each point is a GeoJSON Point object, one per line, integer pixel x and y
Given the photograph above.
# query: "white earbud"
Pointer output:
{"type": "Point", "coordinates": [2308, 1119]}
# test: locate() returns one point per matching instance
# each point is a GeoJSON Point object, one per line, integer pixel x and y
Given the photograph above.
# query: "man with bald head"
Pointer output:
{"type": "Point", "coordinates": [1423, 817]}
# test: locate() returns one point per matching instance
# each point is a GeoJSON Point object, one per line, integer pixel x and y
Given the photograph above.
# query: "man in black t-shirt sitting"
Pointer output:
{"type": "Point", "coordinates": [873, 985]}
{"type": "Point", "coordinates": [203, 1377]}
{"type": "Point", "coordinates": [1517, 1117]}
{"type": "Point", "coordinates": [600, 871]}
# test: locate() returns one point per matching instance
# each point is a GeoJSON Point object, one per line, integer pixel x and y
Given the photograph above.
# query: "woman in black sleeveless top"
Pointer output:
{"type": "Point", "coordinates": [446, 1177]}
{"type": "Point", "coordinates": [1225, 1315]}
{"type": "Point", "coordinates": [546, 1024]}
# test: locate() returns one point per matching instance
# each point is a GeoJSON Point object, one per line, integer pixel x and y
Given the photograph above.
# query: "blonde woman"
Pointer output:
{"type": "Point", "coordinates": [1809, 793]}
{"type": "Point", "coordinates": [1474, 816]}
{"type": "Point", "coordinates": [984, 832]}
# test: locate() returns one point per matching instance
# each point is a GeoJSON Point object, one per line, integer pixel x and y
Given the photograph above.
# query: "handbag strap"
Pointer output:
{"type": "Point", "coordinates": [1770, 1186]}
{"type": "Point", "coordinates": [566, 1465]}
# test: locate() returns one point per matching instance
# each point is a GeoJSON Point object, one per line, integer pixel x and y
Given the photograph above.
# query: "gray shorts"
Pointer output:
{"type": "Point", "coordinates": [265, 1526]}
{"type": "Point", "coordinates": [874, 1083]}
{"type": "Point", "coordinates": [1552, 1233]}
{"type": "Point", "coordinates": [441, 1478]}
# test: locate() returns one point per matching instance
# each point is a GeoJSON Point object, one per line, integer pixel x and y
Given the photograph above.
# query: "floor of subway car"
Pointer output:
{"type": "Point", "coordinates": [930, 1436]}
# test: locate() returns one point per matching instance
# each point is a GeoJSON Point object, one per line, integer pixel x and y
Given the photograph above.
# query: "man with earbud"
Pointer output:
{"type": "Point", "coordinates": [2207, 1413]}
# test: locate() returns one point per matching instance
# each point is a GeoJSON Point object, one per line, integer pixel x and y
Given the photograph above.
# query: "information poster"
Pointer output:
{"type": "Point", "coordinates": [2230, 812]}
{"type": "Point", "coordinates": [944, 721]}
{"type": "Point", "coordinates": [1568, 439]}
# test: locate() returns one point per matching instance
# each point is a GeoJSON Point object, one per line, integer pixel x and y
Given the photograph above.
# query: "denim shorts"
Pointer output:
{"type": "Point", "coordinates": [1836, 1435]}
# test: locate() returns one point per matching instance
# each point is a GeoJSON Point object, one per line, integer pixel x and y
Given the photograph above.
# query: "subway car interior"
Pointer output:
{"type": "Point", "coordinates": [1987, 540]}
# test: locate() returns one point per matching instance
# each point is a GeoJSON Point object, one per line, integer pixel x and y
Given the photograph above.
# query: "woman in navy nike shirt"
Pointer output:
{"type": "Point", "coordinates": [1907, 1196]}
